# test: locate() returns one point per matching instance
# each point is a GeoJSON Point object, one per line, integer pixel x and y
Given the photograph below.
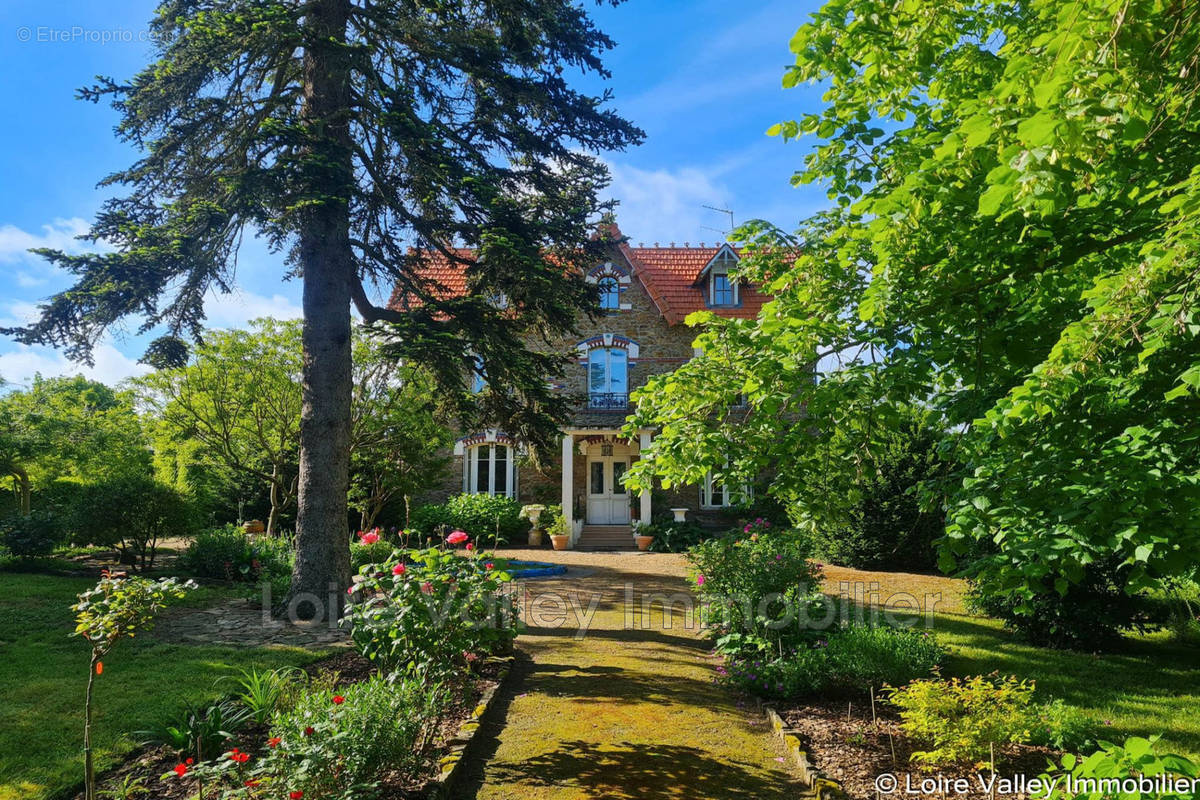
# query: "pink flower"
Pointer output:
{"type": "Point", "coordinates": [470, 546]}
{"type": "Point", "coordinates": [489, 565]}
{"type": "Point", "coordinates": [349, 590]}
{"type": "Point", "coordinates": [427, 587]}
{"type": "Point", "coordinates": [370, 537]}
{"type": "Point", "coordinates": [457, 537]}
{"type": "Point", "coordinates": [699, 580]}
{"type": "Point", "coordinates": [399, 569]}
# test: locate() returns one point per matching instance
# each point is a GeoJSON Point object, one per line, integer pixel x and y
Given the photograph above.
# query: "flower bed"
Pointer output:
{"type": "Point", "coordinates": [156, 769]}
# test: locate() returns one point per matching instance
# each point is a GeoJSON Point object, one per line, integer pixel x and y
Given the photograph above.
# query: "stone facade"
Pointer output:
{"type": "Point", "coordinates": [653, 345]}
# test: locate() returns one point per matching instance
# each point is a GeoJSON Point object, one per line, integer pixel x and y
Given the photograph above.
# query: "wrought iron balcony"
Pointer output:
{"type": "Point", "coordinates": [608, 401]}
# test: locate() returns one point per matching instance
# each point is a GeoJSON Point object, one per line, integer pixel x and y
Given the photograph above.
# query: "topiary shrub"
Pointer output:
{"type": "Point", "coordinates": [482, 516]}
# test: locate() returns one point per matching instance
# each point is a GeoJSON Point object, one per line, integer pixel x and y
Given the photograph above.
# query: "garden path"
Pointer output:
{"type": "Point", "coordinates": [621, 712]}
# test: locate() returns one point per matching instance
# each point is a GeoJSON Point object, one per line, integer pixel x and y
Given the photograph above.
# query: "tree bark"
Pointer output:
{"type": "Point", "coordinates": [24, 489]}
{"type": "Point", "coordinates": [322, 570]}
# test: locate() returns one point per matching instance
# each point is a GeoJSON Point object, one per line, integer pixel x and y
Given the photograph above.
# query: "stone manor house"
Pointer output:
{"type": "Point", "coordinates": [645, 294]}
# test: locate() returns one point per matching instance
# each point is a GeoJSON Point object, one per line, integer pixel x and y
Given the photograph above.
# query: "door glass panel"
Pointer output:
{"type": "Point", "coordinates": [501, 482]}
{"type": "Point", "coordinates": [597, 477]}
{"type": "Point", "coordinates": [618, 471]}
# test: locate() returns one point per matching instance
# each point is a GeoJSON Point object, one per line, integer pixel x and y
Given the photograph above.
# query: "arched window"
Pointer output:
{"type": "Point", "coordinates": [488, 469]}
{"type": "Point", "coordinates": [608, 377]}
{"type": "Point", "coordinates": [610, 293]}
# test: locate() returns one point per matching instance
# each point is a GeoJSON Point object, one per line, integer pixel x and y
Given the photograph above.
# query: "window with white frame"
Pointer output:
{"type": "Point", "coordinates": [722, 291]}
{"type": "Point", "coordinates": [489, 469]}
{"type": "Point", "coordinates": [610, 293]}
{"type": "Point", "coordinates": [608, 377]}
{"type": "Point", "coordinates": [715, 494]}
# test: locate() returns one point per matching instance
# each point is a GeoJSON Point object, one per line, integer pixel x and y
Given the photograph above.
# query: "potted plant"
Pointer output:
{"type": "Point", "coordinates": [533, 513]}
{"type": "Point", "coordinates": [643, 535]}
{"type": "Point", "coordinates": [253, 526]}
{"type": "Point", "coordinates": [560, 535]}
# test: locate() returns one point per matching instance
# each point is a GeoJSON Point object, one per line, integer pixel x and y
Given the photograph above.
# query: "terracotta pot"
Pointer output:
{"type": "Point", "coordinates": [560, 542]}
{"type": "Point", "coordinates": [643, 542]}
{"type": "Point", "coordinates": [535, 537]}
{"type": "Point", "coordinates": [253, 526]}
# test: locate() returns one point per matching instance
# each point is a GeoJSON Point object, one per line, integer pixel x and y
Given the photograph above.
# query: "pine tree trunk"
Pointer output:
{"type": "Point", "coordinates": [326, 263]}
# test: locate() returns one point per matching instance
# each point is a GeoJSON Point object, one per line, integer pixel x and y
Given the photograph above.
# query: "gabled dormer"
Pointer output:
{"type": "Point", "coordinates": [720, 289]}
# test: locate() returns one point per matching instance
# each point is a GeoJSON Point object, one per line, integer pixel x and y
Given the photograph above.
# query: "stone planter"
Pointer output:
{"type": "Point", "coordinates": [643, 542]}
{"type": "Point", "coordinates": [535, 537]}
{"type": "Point", "coordinates": [253, 526]}
{"type": "Point", "coordinates": [680, 514]}
{"type": "Point", "coordinates": [560, 541]}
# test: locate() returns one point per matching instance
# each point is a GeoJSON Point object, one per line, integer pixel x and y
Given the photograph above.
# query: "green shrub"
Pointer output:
{"type": "Point", "coordinates": [429, 612]}
{"type": "Point", "coordinates": [334, 749]}
{"type": "Point", "coordinates": [887, 526]}
{"type": "Point", "coordinates": [849, 660]}
{"type": "Point", "coordinates": [132, 515]}
{"type": "Point", "coordinates": [1062, 727]}
{"type": "Point", "coordinates": [376, 553]}
{"type": "Point", "coordinates": [758, 591]}
{"type": "Point", "coordinates": [961, 719]}
{"type": "Point", "coordinates": [1087, 615]}
{"type": "Point", "coordinates": [198, 732]}
{"type": "Point", "coordinates": [676, 537]}
{"type": "Point", "coordinates": [231, 554]}
{"type": "Point", "coordinates": [1138, 758]}
{"type": "Point", "coordinates": [482, 516]}
{"type": "Point", "coordinates": [269, 691]}
{"type": "Point", "coordinates": [32, 535]}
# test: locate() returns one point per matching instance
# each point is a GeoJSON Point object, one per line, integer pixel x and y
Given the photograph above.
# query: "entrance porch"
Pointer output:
{"type": "Point", "coordinates": [594, 463]}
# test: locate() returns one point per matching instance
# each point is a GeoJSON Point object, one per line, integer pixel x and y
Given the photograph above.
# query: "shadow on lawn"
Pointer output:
{"type": "Point", "coordinates": [628, 771]}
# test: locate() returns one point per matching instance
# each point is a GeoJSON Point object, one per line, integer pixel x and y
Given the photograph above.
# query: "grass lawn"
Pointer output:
{"type": "Point", "coordinates": [1152, 686]}
{"type": "Point", "coordinates": [43, 671]}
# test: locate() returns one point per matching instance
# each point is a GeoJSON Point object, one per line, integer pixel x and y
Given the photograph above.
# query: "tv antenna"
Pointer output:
{"type": "Point", "coordinates": [721, 211]}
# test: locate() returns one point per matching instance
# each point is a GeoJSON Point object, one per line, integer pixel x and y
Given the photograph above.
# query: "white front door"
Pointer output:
{"type": "Point", "coordinates": [607, 498]}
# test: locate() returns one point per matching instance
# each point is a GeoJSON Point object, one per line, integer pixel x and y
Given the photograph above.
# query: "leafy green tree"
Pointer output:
{"type": "Point", "coordinates": [238, 397]}
{"type": "Point", "coordinates": [360, 137]}
{"type": "Point", "coordinates": [400, 439]}
{"type": "Point", "coordinates": [69, 427]}
{"type": "Point", "coordinates": [1016, 191]}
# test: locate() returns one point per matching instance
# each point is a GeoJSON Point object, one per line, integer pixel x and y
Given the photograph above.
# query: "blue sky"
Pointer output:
{"type": "Point", "coordinates": [702, 78]}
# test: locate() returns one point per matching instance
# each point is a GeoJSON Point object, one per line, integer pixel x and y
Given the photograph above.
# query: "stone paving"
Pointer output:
{"type": "Point", "coordinates": [244, 623]}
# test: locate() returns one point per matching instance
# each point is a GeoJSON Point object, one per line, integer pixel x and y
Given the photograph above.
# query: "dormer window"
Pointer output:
{"type": "Point", "coordinates": [610, 293]}
{"type": "Point", "coordinates": [722, 290]}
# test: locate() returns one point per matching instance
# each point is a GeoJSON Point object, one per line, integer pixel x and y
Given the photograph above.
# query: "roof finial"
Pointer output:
{"type": "Point", "coordinates": [672, 244]}
{"type": "Point", "coordinates": [656, 244]}
{"type": "Point", "coordinates": [687, 244]}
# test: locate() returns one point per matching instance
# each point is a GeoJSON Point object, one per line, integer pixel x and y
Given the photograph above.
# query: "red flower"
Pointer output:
{"type": "Point", "coordinates": [470, 546]}
{"type": "Point", "coordinates": [309, 731]}
{"type": "Point", "coordinates": [273, 742]}
{"type": "Point", "coordinates": [427, 587]}
{"type": "Point", "coordinates": [238, 756]}
{"type": "Point", "coordinates": [189, 762]}
{"type": "Point", "coordinates": [252, 783]}
{"type": "Point", "coordinates": [295, 795]}
{"type": "Point", "coordinates": [457, 537]}
{"type": "Point", "coordinates": [370, 537]}
{"type": "Point", "coordinates": [180, 770]}
{"type": "Point", "coordinates": [489, 565]}
{"type": "Point", "coordinates": [338, 699]}
{"type": "Point", "coordinates": [399, 569]}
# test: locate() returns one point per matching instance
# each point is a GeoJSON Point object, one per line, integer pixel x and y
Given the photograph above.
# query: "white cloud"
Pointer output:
{"type": "Point", "coordinates": [60, 235]}
{"type": "Point", "coordinates": [19, 365]}
{"type": "Point", "coordinates": [235, 309]}
{"type": "Point", "coordinates": [668, 205]}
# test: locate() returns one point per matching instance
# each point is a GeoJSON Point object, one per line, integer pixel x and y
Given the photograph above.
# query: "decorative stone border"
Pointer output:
{"type": "Point", "coordinates": [819, 786]}
{"type": "Point", "coordinates": [450, 770]}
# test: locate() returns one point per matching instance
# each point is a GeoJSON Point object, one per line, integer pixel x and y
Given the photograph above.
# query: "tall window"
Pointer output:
{"type": "Point", "coordinates": [608, 377]}
{"type": "Point", "coordinates": [610, 294]}
{"type": "Point", "coordinates": [489, 470]}
{"type": "Point", "coordinates": [714, 494]}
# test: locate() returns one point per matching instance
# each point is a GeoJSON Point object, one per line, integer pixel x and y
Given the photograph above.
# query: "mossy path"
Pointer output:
{"type": "Point", "coordinates": [620, 712]}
